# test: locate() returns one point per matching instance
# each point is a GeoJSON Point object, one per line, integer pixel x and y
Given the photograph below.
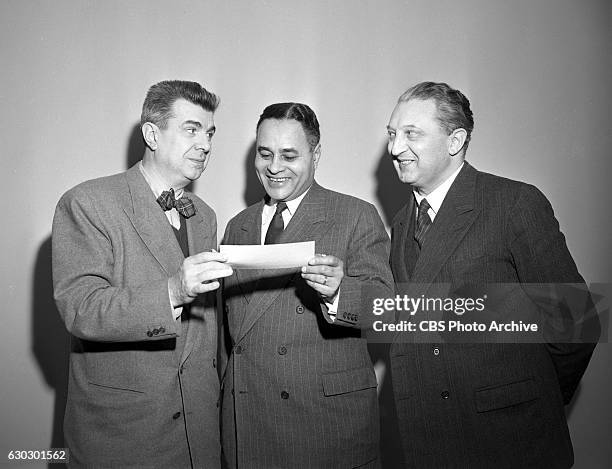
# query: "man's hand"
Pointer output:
{"type": "Point", "coordinates": [198, 274]}
{"type": "Point", "coordinates": [324, 273]}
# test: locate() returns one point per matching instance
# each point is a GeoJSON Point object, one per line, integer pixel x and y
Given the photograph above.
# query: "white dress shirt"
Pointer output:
{"type": "Point", "coordinates": [436, 197]}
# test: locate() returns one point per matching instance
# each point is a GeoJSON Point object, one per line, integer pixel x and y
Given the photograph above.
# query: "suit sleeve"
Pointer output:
{"type": "Point", "coordinates": [92, 305]}
{"type": "Point", "coordinates": [549, 275]}
{"type": "Point", "coordinates": [367, 274]}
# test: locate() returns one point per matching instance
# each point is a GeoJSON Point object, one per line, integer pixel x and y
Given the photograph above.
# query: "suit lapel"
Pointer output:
{"type": "Point", "coordinates": [457, 213]}
{"type": "Point", "coordinates": [401, 227]}
{"type": "Point", "coordinates": [308, 223]}
{"type": "Point", "coordinates": [199, 240]}
{"type": "Point", "coordinates": [151, 223]}
{"type": "Point", "coordinates": [250, 233]}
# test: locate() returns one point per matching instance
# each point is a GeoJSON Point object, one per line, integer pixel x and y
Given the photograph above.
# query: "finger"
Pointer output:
{"type": "Point", "coordinates": [324, 259]}
{"type": "Point", "coordinates": [207, 256]}
{"type": "Point", "coordinates": [206, 287]}
{"type": "Point", "coordinates": [214, 274]}
{"type": "Point", "coordinates": [317, 278]}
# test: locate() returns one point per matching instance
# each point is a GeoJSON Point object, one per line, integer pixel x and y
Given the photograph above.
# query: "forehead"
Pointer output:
{"type": "Point", "coordinates": [415, 112]}
{"type": "Point", "coordinates": [184, 110]}
{"type": "Point", "coordinates": [282, 133]}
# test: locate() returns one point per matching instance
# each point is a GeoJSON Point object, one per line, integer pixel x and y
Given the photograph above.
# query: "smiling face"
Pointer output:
{"type": "Point", "coordinates": [284, 162]}
{"type": "Point", "coordinates": [423, 153]}
{"type": "Point", "coordinates": [183, 148]}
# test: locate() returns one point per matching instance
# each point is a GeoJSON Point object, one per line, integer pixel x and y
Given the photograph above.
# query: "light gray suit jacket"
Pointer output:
{"type": "Point", "coordinates": [298, 390]}
{"type": "Point", "coordinates": [143, 388]}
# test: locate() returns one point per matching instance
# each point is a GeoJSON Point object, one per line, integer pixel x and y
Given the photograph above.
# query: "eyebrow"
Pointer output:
{"type": "Point", "coordinates": [283, 150]}
{"type": "Point", "coordinates": [403, 127]}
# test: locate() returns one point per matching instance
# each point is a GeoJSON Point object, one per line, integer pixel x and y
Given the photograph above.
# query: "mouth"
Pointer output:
{"type": "Point", "coordinates": [277, 180]}
{"type": "Point", "coordinates": [405, 163]}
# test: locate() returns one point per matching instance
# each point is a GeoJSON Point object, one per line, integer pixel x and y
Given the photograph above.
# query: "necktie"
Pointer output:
{"type": "Point", "coordinates": [423, 222]}
{"type": "Point", "coordinates": [184, 205]}
{"type": "Point", "coordinates": [277, 226]}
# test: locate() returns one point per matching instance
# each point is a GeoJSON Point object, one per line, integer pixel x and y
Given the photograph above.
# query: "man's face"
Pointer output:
{"type": "Point", "coordinates": [419, 145]}
{"type": "Point", "coordinates": [184, 146]}
{"type": "Point", "coordinates": [284, 162]}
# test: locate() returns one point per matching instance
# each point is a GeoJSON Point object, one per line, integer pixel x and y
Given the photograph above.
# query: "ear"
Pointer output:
{"type": "Point", "coordinates": [150, 134]}
{"type": "Point", "coordinates": [316, 154]}
{"type": "Point", "coordinates": [456, 140]}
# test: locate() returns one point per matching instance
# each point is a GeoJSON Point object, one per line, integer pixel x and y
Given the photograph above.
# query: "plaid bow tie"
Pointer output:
{"type": "Point", "coordinates": [184, 205]}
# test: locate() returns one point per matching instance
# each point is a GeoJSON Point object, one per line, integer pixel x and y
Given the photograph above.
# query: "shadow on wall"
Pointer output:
{"type": "Point", "coordinates": [391, 193]}
{"type": "Point", "coordinates": [253, 190]}
{"type": "Point", "coordinates": [50, 341]}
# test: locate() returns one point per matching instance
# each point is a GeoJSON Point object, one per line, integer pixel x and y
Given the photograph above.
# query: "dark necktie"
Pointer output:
{"type": "Point", "coordinates": [423, 222]}
{"type": "Point", "coordinates": [184, 205]}
{"type": "Point", "coordinates": [277, 226]}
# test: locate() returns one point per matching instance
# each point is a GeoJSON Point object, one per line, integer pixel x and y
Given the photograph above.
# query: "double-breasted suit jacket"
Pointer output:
{"type": "Point", "coordinates": [300, 390]}
{"type": "Point", "coordinates": [485, 405]}
{"type": "Point", "coordinates": [143, 388]}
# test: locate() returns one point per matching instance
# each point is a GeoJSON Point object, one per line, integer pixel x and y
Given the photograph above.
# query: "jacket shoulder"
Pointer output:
{"type": "Point", "coordinates": [100, 189]}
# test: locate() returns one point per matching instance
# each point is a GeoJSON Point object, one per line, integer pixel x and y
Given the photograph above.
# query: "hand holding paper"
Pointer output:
{"type": "Point", "coordinates": [324, 274]}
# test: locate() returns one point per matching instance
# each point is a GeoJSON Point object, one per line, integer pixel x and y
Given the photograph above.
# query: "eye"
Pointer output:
{"type": "Point", "coordinates": [289, 158]}
{"type": "Point", "coordinates": [191, 130]}
{"type": "Point", "coordinates": [265, 155]}
{"type": "Point", "coordinates": [391, 134]}
{"type": "Point", "coordinates": [210, 134]}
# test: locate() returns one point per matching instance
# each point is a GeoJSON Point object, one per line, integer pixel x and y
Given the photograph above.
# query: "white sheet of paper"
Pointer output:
{"type": "Point", "coordinates": [268, 256]}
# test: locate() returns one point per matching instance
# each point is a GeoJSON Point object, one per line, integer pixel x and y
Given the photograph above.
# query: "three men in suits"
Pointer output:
{"type": "Point", "coordinates": [132, 281]}
{"type": "Point", "coordinates": [476, 405]}
{"type": "Point", "coordinates": [299, 389]}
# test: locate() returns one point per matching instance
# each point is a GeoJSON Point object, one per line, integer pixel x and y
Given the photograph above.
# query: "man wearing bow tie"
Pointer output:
{"type": "Point", "coordinates": [133, 274]}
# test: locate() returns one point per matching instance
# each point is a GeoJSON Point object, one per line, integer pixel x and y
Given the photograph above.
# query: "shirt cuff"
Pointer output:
{"type": "Point", "coordinates": [332, 308]}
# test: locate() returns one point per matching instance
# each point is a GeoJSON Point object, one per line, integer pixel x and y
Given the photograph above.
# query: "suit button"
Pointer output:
{"type": "Point", "coordinates": [282, 350]}
{"type": "Point", "coordinates": [214, 363]}
{"type": "Point", "coordinates": [182, 369]}
{"type": "Point", "coordinates": [162, 330]}
{"type": "Point", "coordinates": [444, 394]}
{"type": "Point", "coordinates": [155, 331]}
{"type": "Point", "coordinates": [149, 334]}
{"type": "Point", "coordinates": [299, 309]}
{"type": "Point", "coordinates": [284, 395]}
{"type": "Point", "coordinates": [238, 350]}
{"type": "Point", "coordinates": [177, 415]}
{"type": "Point", "coordinates": [436, 351]}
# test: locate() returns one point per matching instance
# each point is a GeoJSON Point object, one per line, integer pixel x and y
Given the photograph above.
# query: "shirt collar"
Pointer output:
{"type": "Point", "coordinates": [157, 183]}
{"type": "Point", "coordinates": [292, 206]}
{"type": "Point", "coordinates": [436, 197]}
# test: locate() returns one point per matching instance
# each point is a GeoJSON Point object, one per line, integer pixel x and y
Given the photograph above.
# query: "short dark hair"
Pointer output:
{"type": "Point", "coordinates": [296, 111]}
{"type": "Point", "coordinates": [453, 107]}
{"type": "Point", "coordinates": [157, 106]}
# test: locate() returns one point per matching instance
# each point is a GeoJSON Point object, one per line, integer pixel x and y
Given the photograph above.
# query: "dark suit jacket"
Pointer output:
{"type": "Point", "coordinates": [485, 405]}
{"type": "Point", "coordinates": [298, 390]}
{"type": "Point", "coordinates": [143, 388]}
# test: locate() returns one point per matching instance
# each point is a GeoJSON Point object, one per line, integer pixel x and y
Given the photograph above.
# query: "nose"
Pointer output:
{"type": "Point", "coordinates": [396, 146]}
{"type": "Point", "coordinates": [275, 165]}
{"type": "Point", "coordinates": [204, 143]}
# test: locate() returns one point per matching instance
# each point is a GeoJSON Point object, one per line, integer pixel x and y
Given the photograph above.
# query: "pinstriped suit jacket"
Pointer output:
{"type": "Point", "coordinates": [143, 389]}
{"type": "Point", "coordinates": [486, 405]}
{"type": "Point", "coordinates": [299, 391]}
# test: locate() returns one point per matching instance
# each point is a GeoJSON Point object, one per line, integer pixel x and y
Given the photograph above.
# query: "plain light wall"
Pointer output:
{"type": "Point", "coordinates": [74, 75]}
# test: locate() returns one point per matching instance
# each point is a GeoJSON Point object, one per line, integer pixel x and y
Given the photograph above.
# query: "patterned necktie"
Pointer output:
{"type": "Point", "coordinates": [277, 225]}
{"type": "Point", "coordinates": [184, 205]}
{"type": "Point", "coordinates": [423, 222]}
